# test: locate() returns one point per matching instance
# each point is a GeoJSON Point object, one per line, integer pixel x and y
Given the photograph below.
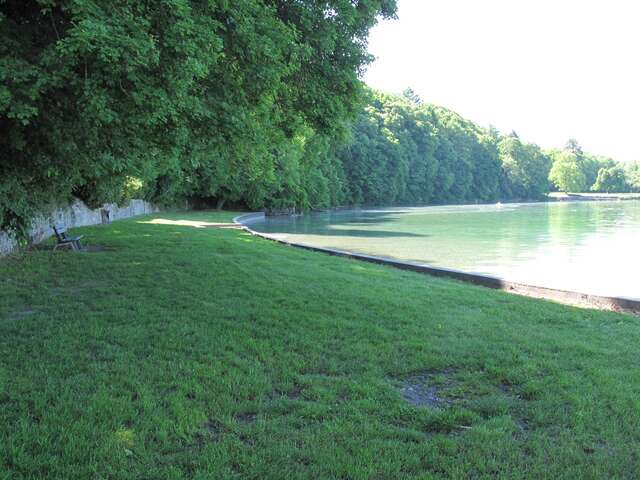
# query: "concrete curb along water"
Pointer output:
{"type": "Point", "coordinates": [619, 304]}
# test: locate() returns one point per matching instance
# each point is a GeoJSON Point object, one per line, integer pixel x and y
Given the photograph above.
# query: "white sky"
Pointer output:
{"type": "Point", "coordinates": [548, 69]}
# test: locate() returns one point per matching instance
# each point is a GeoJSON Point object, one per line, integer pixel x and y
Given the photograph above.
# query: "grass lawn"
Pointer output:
{"type": "Point", "coordinates": [181, 352]}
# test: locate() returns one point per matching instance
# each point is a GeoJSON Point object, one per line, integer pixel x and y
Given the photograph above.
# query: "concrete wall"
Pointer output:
{"type": "Point", "coordinates": [75, 215]}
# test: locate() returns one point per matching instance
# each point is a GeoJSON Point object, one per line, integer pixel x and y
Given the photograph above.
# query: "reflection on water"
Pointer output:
{"type": "Point", "coordinates": [590, 247]}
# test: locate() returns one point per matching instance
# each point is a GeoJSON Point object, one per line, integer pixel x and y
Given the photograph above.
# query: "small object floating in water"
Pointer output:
{"type": "Point", "coordinates": [499, 205]}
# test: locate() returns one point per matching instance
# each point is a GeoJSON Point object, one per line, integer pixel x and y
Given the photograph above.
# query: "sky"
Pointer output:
{"type": "Point", "coordinates": [550, 70]}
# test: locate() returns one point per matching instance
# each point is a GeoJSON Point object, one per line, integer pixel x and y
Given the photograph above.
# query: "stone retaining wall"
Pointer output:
{"type": "Point", "coordinates": [75, 215]}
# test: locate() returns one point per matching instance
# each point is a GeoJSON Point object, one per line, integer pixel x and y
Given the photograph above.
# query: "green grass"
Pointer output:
{"type": "Point", "coordinates": [182, 352]}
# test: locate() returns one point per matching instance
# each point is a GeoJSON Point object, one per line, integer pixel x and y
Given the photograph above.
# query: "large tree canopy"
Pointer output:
{"type": "Point", "coordinates": [610, 180]}
{"type": "Point", "coordinates": [566, 173]}
{"type": "Point", "coordinates": [170, 97]}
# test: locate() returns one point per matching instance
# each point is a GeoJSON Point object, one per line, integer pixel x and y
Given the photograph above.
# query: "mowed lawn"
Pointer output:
{"type": "Point", "coordinates": [180, 352]}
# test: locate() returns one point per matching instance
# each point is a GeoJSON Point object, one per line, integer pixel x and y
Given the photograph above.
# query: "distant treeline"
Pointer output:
{"type": "Point", "coordinates": [404, 151]}
{"type": "Point", "coordinates": [254, 103]}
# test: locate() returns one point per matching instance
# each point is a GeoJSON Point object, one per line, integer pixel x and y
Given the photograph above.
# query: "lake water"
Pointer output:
{"type": "Point", "coordinates": [589, 247]}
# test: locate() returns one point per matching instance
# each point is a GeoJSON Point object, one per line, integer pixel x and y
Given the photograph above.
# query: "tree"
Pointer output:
{"type": "Point", "coordinates": [611, 180]}
{"type": "Point", "coordinates": [574, 147]}
{"type": "Point", "coordinates": [487, 169]}
{"type": "Point", "coordinates": [591, 165]}
{"type": "Point", "coordinates": [524, 169]}
{"type": "Point", "coordinates": [632, 174]}
{"type": "Point", "coordinates": [180, 98]}
{"type": "Point", "coordinates": [403, 152]}
{"type": "Point", "coordinates": [412, 96]}
{"type": "Point", "coordinates": [566, 173]}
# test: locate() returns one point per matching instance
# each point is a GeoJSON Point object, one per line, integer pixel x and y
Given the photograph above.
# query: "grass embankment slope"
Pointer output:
{"type": "Point", "coordinates": [183, 352]}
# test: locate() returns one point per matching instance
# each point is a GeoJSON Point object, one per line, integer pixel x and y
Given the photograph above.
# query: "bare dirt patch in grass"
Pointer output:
{"type": "Point", "coordinates": [417, 392]}
{"type": "Point", "coordinates": [428, 388]}
{"type": "Point", "coordinates": [246, 417]}
{"type": "Point", "coordinates": [446, 389]}
{"type": "Point", "coordinates": [210, 431]}
{"type": "Point", "coordinates": [293, 393]}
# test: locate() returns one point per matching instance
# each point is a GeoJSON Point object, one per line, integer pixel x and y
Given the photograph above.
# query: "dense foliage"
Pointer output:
{"type": "Point", "coordinates": [566, 173]}
{"type": "Point", "coordinates": [574, 170]}
{"type": "Point", "coordinates": [166, 99]}
{"type": "Point", "coordinates": [255, 102]}
{"type": "Point", "coordinates": [404, 151]}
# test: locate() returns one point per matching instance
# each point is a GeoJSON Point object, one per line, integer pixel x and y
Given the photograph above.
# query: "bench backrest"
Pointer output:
{"type": "Point", "coordinates": [61, 231]}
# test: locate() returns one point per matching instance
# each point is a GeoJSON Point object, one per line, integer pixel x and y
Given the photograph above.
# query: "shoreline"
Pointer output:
{"type": "Point", "coordinates": [567, 297]}
{"type": "Point", "coordinates": [553, 197]}
{"type": "Point", "coordinates": [592, 197]}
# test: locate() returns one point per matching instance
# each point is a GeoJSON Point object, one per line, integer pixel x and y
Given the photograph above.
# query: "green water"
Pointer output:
{"type": "Point", "coordinates": [589, 247]}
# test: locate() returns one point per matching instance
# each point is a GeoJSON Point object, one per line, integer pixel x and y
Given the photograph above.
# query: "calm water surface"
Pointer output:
{"type": "Point", "coordinates": [590, 247]}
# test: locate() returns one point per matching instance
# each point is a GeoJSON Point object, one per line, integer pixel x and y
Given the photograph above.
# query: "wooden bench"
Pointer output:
{"type": "Point", "coordinates": [64, 240]}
